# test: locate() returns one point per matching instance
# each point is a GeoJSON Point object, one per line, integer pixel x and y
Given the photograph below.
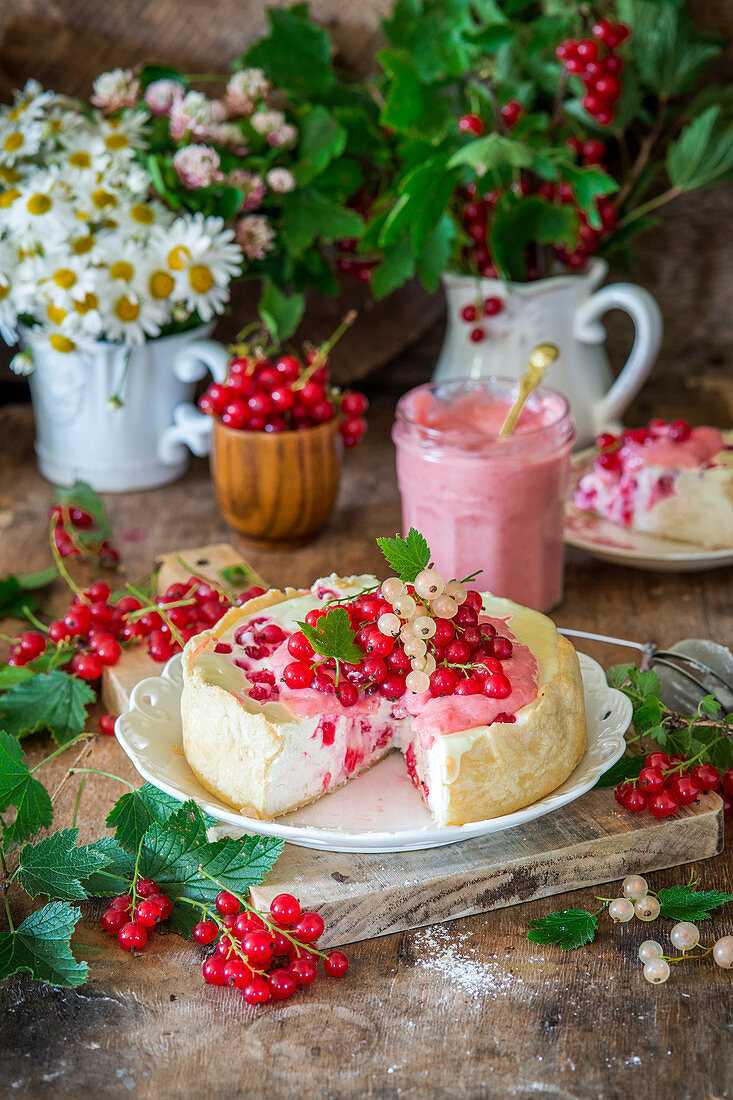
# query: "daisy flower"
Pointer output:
{"type": "Point", "coordinates": [203, 258]}
{"type": "Point", "coordinates": [125, 133]}
{"type": "Point", "coordinates": [41, 210]}
{"type": "Point", "coordinates": [62, 276]}
{"type": "Point", "coordinates": [9, 287]}
{"type": "Point", "coordinates": [255, 236]}
{"type": "Point", "coordinates": [19, 139]}
{"type": "Point", "coordinates": [30, 101]}
{"type": "Point", "coordinates": [116, 89]}
{"type": "Point", "coordinates": [137, 219]}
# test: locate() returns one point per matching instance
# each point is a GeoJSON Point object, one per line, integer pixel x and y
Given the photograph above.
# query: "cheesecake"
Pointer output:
{"type": "Point", "coordinates": [267, 731]}
{"type": "Point", "coordinates": [668, 480]}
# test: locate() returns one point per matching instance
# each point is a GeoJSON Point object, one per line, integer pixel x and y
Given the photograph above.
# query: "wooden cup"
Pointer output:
{"type": "Point", "coordinates": [276, 488]}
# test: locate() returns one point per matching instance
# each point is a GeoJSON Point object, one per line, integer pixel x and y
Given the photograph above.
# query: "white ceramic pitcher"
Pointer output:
{"type": "Point", "coordinates": [140, 443]}
{"type": "Point", "coordinates": [562, 310]}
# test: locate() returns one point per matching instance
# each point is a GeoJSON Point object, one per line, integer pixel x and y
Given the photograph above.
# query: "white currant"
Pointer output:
{"type": "Point", "coordinates": [621, 911]}
{"type": "Point", "coordinates": [404, 606]}
{"type": "Point", "coordinates": [650, 949]}
{"type": "Point", "coordinates": [634, 887]}
{"type": "Point", "coordinates": [656, 971]}
{"type": "Point", "coordinates": [685, 935]}
{"type": "Point", "coordinates": [425, 664]}
{"type": "Point", "coordinates": [456, 591]}
{"type": "Point", "coordinates": [417, 682]}
{"type": "Point", "coordinates": [723, 952]}
{"type": "Point", "coordinates": [393, 588]}
{"type": "Point", "coordinates": [429, 584]}
{"type": "Point", "coordinates": [647, 908]}
{"type": "Point", "coordinates": [389, 625]}
{"type": "Point", "coordinates": [445, 607]}
{"type": "Point", "coordinates": [415, 647]}
{"type": "Point", "coordinates": [424, 626]}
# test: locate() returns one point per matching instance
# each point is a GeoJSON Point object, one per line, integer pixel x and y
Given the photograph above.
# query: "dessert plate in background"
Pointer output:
{"type": "Point", "coordinates": [610, 542]}
{"type": "Point", "coordinates": [380, 811]}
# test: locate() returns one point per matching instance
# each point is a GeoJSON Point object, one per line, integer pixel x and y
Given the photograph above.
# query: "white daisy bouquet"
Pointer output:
{"type": "Point", "coordinates": [88, 252]}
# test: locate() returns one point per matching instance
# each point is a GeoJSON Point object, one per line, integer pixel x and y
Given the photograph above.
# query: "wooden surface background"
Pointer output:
{"type": "Point", "coordinates": [469, 1009]}
{"type": "Point", "coordinates": [685, 262]}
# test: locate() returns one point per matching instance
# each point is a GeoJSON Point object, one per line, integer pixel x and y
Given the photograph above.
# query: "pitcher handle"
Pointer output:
{"type": "Point", "coordinates": [647, 318]}
{"type": "Point", "coordinates": [192, 428]}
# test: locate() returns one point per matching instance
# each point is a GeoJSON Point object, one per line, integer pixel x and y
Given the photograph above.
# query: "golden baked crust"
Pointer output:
{"type": "Point", "coordinates": [231, 744]}
{"type": "Point", "coordinates": [511, 765]}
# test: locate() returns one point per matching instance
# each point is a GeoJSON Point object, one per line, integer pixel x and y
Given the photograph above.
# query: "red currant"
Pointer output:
{"type": "Point", "coordinates": [112, 920]}
{"type": "Point", "coordinates": [132, 936]}
{"type": "Point", "coordinates": [684, 789]}
{"type": "Point", "coordinates": [32, 644]}
{"type": "Point", "coordinates": [336, 964]}
{"type": "Point", "coordinates": [497, 686]}
{"type": "Point", "coordinates": [470, 124]}
{"type": "Point", "coordinates": [107, 724]}
{"type": "Point", "coordinates": [87, 666]}
{"type": "Point", "coordinates": [213, 970]}
{"type": "Point", "coordinates": [258, 946]}
{"type": "Point", "coordinates": [235, 972]}
{"type": "Point", "coordinates": [309, 927]}
{"type": "Point", "coordinates": [662, 804]}
{"type": "Point", "coordinates": [651, 780]}
{"type": "Point", "coordinates": [303, 971]}
{"type": "Point", "coordinates": [354, 404]}
{"type": "Point", "coordinates": [298, 674]}
{"type": "Point", "coordinates": [226, 903]}
{"type": "Point", "coordinates": [282, 984]}
{"type": "Point", "coordinates": [205, 932]}
{"type": "Point", "coordinates": [634, 800]}
{"type": "Point", "coordinates": [147, 914]}
{"type": "Point", "coordinates": [256, 991]}
{"type": "Point", "coordinates": [443, 681]}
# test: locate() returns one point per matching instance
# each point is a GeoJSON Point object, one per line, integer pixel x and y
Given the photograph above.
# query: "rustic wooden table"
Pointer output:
{"type": "Point", "coordinates": [466, 1009]}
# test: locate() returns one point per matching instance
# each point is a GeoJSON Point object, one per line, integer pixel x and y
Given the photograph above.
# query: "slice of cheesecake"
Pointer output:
{"type": "Point", "coordinates": [667, 479]}
{"type": "Point", "coordinates": [266, 748]}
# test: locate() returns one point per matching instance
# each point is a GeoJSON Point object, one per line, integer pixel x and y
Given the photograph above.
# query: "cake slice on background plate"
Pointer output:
{"type": "Point", "coordinates": [667, 479]}
{"type": "Point", "coordinates": [298, 691]}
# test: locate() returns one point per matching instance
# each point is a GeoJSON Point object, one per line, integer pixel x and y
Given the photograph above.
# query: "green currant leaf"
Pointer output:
{"type": "Point", "coordinates": [52, 701]}
{"type": "Point", "coordinates": [296, 55]}
{"type": "Point", "coordinates": [18, 788]}
{"type": "Point", "coordinates": [589, 184]}
{"type": "Point", "coordinates": [322, 140]}
{"type": "Point", "coordinates": [134, 813]}
{"type": "Point", "coordinates": [151, 73]}
{"type": "Point", "coordinates": [175, 855]}
{"type": "Point", "coordinates": [628, 767]}
{"type": "Point", "coordinates": [684, 903]}
{"type": "Point", "coordinates": [434, 259]}
{"type": "Point", "coordinates": [491, 152]}
{"type": "Point", "coordinates": [529, 220]}
{"type": "Point", "coordinates": [619, 675]}
{"type": "Point", "coordinates": [413, 106]}
{"type": "Point", "coordinates": [115, 875]}
{"type": "Point", "coordinates": [309, 215]}
{"type": "Point", "coordinates": [408, 556]}
{"type": "Point", "coordinates": [281, 313]}
{"type": "Point", "coordinates": [41, 945]}
{"type": "Point", "coordinates": [702, 156]}
{"type": "Point", "coordinates": [568, 928]}
{"type": "Point", "coordinates": [56, 866]}
{"type": "Point", "coordinates": [395, 269]}
{"type": "Point", "coordinates": [10, 675]}
{"type": "Point", "coordinates": [333, 636]}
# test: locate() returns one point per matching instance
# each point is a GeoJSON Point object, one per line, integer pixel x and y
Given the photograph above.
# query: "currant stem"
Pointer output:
{"type": "Point", "coordinates": [107, 775]}
{"type": "Point", "coordinates": [63, 748]}
{"type": "Point", "coordinates": [59, 561]}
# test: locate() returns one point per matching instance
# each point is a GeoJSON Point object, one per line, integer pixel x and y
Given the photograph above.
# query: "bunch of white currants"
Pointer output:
{"type": "Point", "coordinates": [637, 901]}
{"type": "Point", "coordinates": [414, 623]}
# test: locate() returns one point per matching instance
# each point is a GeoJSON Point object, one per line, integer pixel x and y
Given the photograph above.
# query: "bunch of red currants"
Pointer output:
{"type": "Point", "coordinates": [599, 67]}
{"type": "Point", "coordinates": [665, 784]}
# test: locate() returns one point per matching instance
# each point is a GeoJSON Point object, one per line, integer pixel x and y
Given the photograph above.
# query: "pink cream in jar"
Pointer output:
{"type": "Point", "coordinates": [484, 501]}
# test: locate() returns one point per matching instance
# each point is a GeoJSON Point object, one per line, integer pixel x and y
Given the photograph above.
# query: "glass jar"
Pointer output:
{"type": "Point", "coordinates": [484, 501]}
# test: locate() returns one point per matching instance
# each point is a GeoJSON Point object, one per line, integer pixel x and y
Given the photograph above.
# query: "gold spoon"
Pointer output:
{"type": "Point", "coordinates": [541, 358]}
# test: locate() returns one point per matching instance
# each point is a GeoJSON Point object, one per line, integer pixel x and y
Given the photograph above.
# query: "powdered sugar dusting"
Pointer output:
{"type": "Point", "coordinates": [453, 955]}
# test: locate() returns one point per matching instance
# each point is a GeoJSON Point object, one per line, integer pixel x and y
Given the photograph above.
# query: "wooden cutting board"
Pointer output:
{"type": "Point", "coordinates": [589, 842]}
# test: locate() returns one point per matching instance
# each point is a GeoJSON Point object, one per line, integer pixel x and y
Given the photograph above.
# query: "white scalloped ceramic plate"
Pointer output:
{"type": "Point", "coordinates": [378, 812]}
{"type": "Point", "coordinates": [610, 542]}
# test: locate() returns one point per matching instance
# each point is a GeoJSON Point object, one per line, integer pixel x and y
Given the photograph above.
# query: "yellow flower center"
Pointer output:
{"type": "Point", "coordinates": [142, 213]}
{"type": "Point", "coordinates": [39, 204]}
{"type": "Point", "coordinates": [88, 303]}
{"type": "Point", "coordinates": [55, 314]}
{"type": "Point", "coordinates": [177, 257]}
{"type": "Point", "coordinates": [126, 310]}
{"type": "Point", "coordinates": [4, 291]}
{"type": "Point", "coordinates": [116, 141]}
{"type": "Point", "coordinates": [55, 125]}
{"type": "Point", "coordinates": [161, 284]}
{"type": "Point", "coordinates": [80, 160]}
{"type": "Point", "coordinates": [82, 245]}
{"type": "Point", "coordinates": [122, 270]}
{"type": "Point", "coordinates": [13, 141]}
{"type": "Point", "coordinates": [61, 343]}
{"type": "Point", "coordinates": [102, 198]}
{"type": "Point", "coordinates": [64, 277]}
{"type": "Point", "coordinates": [8, 197]}
{"type": "Point", "coordinates": [200, 278]}
{"type": "Point", "coordinates": [16, 112]}
{"type": "Point", "coordinates": [9, 175]}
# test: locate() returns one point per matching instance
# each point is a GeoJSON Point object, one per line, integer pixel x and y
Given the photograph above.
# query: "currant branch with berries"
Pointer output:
{"type": "Point", "coordinates": [572, 928]}
{"type": "Point", "coordinates": [690, 753]}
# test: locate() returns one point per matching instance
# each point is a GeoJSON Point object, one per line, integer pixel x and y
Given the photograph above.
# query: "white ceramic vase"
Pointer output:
{"type": "Point", "coordinates": [565, 310]}
{"type": "Point", "coordinates": [143, 441]}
